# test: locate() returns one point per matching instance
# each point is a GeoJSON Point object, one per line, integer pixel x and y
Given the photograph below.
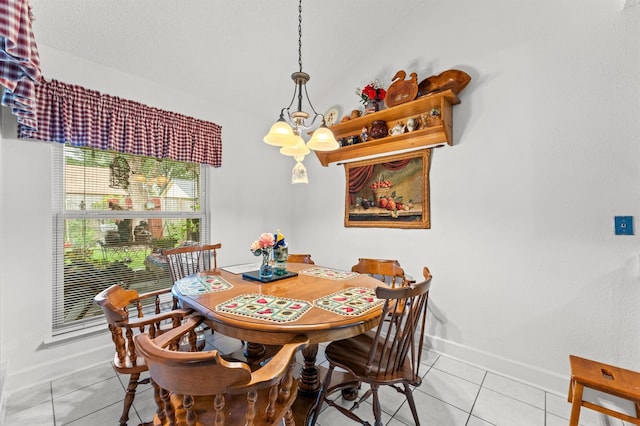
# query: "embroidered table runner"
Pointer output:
{"type": "Point", "coordinates": [332, 274]}
{"type": "Point", "coordinates": [268, 308]}
{"type": "Point", "coordinates": [193, 286]}
{"type": "Point", "coordinates": [350, 302]}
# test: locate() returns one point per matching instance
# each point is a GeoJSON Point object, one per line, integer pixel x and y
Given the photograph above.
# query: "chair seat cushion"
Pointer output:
{"type": "Point", "coordinates": [353, 354]}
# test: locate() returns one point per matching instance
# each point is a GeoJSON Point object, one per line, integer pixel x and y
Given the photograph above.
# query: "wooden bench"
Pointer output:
{"type": "Point", "coordinates": [605, 378]}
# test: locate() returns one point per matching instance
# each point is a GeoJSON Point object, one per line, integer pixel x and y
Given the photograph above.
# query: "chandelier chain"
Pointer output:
{"type": "Point", "coordinates": [300, 34]}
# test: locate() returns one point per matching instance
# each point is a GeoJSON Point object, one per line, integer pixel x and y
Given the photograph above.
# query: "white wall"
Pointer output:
{"type": "Point", "coordinates": [526, 267]}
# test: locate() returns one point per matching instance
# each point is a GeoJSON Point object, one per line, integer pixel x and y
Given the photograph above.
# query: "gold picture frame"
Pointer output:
{"type": "Point", "coordinates": [389, 192]}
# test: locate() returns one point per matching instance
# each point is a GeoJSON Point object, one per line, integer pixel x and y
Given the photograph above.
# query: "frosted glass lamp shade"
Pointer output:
{"type": "Point", "coordinates": [298, 149]}
{"type": "Point", "coordinates": [323, 140]}
{"type": "Point", "coordinates": [281, 134]}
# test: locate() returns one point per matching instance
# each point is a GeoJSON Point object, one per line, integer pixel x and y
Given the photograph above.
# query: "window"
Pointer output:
{"type": "Point", "coordinates": [113, 214]}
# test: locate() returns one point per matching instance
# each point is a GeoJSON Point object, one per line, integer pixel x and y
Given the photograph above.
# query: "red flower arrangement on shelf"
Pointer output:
{"type": "Point", "coordinates": [371, 92]}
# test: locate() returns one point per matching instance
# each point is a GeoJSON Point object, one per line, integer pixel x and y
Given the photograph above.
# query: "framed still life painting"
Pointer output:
{"type": "Point", "coordinates": [389, 192]}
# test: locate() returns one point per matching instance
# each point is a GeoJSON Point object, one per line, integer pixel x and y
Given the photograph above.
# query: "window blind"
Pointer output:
{"type": "Point", "coordinates": [113, 214]}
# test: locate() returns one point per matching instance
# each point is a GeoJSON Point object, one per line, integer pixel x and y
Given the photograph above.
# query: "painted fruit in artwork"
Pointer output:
{"type": "Point", "coordinates": [391, 204]}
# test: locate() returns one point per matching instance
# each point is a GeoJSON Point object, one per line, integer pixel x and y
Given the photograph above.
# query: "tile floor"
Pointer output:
{"type": "Point", "coordinates": [452, 394]}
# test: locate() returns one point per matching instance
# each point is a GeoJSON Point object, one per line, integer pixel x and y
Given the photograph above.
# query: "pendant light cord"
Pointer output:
{"type": "Point", "coordinates": [300, 34]}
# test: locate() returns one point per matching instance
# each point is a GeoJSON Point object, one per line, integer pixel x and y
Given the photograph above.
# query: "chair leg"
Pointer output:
{"type": "Point", "coordinates": [128, 398]}
{"type": "Point", "coordinates": [314, 411]}
{"type": "Point", "coordinates": [377, 410]}
{"type": "Point", "coordinates": [409, 395]}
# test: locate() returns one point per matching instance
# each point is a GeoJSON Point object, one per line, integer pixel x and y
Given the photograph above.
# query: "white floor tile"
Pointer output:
{"type": "Point", "coordinates": [108, 416]}
{"type": "Point", "coordinates": [391, 400]}
{"type": "Point", "coordinates": [460, 369]}
{"type": "Point", "coordinates": [595, 420]}
{"type": "Point", "coordinates": [144, 405]}
{"type": "Point", "coordinates": [432, 412]}
{"type": "Point", "coordinates": [558, 405]}
{"type": "Point", "coordinates": [84, 401]}
{"type": "Point", "coordinates": [501, 410]}
{"type": "Point", "coordinates": [27, 398]}
{"type": "Point", "coordinates": [330, 416]}
{"type": "Point", "coordinates": [449, 388]}
{"type": "Point", "coordinates": [82, 378]}
{"type": "Point", "coordinates": [516, 390]}
{"type": "Point", "coordinates": [38, 415]}
{"type": "Point", "coordinates": [474, 421]}
{"type": "Point", "coordinates": [429, 358]}
{"type": "Point", "coordinates": [396, 422]}
{"type": "Point", "coordinates": [553, 420]}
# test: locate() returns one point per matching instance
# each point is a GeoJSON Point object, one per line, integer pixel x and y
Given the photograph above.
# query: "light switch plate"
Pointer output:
{"type": "Point", "coordinates": [623, 225]}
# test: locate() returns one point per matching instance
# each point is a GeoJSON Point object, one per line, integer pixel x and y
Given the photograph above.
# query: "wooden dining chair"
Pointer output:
{"type": "Point", "coordinates": [386, 270]}
{"type": "Point", "coordinates": [128, 314]}
{"type": "Point", "coordinates": [300, 258]}
{"type": "Point", "coordinates": [203, 388]}
{"type": "Point", "coordinates": [389, 355]}
{"type": "Point", "coordinates": [183, 261]}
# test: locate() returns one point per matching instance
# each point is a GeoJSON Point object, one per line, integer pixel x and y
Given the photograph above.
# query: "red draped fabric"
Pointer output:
{"type": "Point", "coordinates": [360, 176]}
{"type": "Point", "coordinates": [19, 61]}
{"type": "Point", "coordinates": [87, 118]}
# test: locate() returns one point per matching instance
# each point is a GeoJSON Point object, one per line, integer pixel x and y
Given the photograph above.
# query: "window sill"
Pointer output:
{"type": "Point", "coordinates": [70, 336]}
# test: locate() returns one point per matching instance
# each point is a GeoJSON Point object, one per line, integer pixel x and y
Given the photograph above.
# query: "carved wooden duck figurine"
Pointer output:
{"type": "Point", "coordinates": [401, 90]}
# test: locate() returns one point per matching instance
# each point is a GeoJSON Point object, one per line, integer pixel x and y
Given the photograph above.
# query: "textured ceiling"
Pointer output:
{"type": "Point", "coordinates": [213, 48]}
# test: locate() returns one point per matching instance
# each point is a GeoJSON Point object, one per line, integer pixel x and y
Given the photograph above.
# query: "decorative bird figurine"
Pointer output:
{"type": "Point", "coordinates": [401, 90]}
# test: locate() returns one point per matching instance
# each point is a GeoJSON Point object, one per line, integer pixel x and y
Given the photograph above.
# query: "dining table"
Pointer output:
{"type": "Point", "coordinates": [323, 304]}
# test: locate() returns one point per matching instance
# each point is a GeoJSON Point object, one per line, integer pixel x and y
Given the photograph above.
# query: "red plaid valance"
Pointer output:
{"type": "Point", "coordinates": [19, 60]}
{"type": "Point", "coordinates": [82, 117]}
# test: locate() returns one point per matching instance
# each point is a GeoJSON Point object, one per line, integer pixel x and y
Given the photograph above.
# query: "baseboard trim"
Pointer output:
{"type": "Point", "coordinates": [57, 368]}
{"type": "Point", "coordinates": [543, 379]}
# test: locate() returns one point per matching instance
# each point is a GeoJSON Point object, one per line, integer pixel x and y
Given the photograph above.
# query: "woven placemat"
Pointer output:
{"type": "Point", "coordinates": [268, 308]}
{"type": "Point", "coordinates": [350, 302]}
{"type": "Point", "coordinates": [329, 273]}
{"type": "Point", "coordinates": [193, 286]}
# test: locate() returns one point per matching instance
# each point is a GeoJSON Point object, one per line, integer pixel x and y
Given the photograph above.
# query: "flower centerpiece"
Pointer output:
{"type": "Point", "coordinates": [371, 94]}
{"type": "Point", "coordinates": [262, 247]}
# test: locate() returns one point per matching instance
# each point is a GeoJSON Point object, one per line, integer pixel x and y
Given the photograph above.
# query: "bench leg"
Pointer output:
{"type": "Point", "coordinates": [576, 398]}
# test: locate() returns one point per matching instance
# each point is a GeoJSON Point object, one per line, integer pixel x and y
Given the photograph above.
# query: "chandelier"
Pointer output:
{"type": "Point", "coordinates": [287, 131]}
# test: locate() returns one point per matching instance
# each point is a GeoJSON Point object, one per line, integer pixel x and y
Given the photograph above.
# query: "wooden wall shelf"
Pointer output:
{"type": "Point", "coordinates": [424, 137]}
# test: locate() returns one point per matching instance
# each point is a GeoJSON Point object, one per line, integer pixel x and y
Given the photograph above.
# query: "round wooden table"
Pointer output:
{"type": "Point", "coordinates": [317, 324]}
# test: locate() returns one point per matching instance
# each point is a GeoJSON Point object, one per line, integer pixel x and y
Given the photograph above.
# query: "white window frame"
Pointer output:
{"type": "Point", "coordinates": [60, 214]}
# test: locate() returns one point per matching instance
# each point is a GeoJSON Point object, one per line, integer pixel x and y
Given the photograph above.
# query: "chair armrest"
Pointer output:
{"type": "Point", "coordinates": [165, 339]}
{"type": "Point", "coordinates": [154, 318]}
{"type": "Point", "coordinates": [154, 293]}
{"type": "Point", "coordinates": [272, 371]}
